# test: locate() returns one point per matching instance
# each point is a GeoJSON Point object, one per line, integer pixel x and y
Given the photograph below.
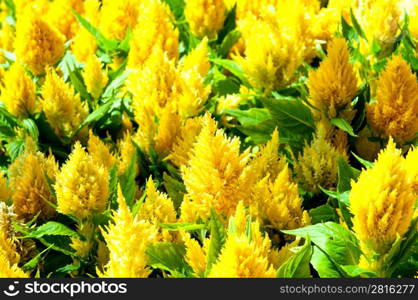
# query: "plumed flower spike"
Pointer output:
{"type": "Point", "coordinates": [382, 202]}
{"type": "Point", "coordinates": [94, 77]}
{"type": "Point", "coordinates": [214, 176]}
{"type": "Point", "coordinates": [127, 238]}
{"type": "Point", "coordinates": [18, 92]}
{"type": "Point", "coordinates": [60, 16]}
{"type": "Point", "coordinates": [155, 29]}
{"type": "Point", "coordinates": [37, 44]}
{"type": "Point", "coordinates": [333, 85]}
{"type": "Point", "coordinates": [100, 152]}
{"type": "Point", "coordinates": [395, 112]}
{"type": "Point", "coordinates": [62, 107]}
{"type": "Point", "coordinates": [10, 271]}
{"type": "Point", "coordinates": [82, 186]}
{"type": "Point", "coordinates": [205, 17]}
{"type": "Point", "coordinates": [27, 180]}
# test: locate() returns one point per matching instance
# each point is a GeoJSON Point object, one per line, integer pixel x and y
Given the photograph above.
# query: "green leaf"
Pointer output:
{"type": "Point", "coordinates": [356, 25]}
{"type": "Point", "coordinates": [323, 213]}
{"type": "Point", "coordinates": [324, 265]}
{"type": "Point", "coordinates": [183, 226]}
{"type": "Point", "coordinates": [298, 265]}
{"type": "Point", "coordinates": [217, 240]}
{"type": "Point", "coordinates": [169, 257]}
{"type": "Point", "coordinates": [115, 84]}
{"type": "Point", "coordinates": [340, 244]}
{"type": "Point", "coordinates": [31, 128]}
{"type": "Point", "coordinates": [127, 181]}
{"type": "Point", "coordinates": [356, 271]}
{"type": "Point", "coordinates": [348, 32]}
{"type": "Point", "coordinates": [229, 24]}
{"type": "Point", "coordinates": [250, 117]}
{"type": "Point", "coordinates": [343, 125]}
{"type": "Point", "coordinates": [31, 264]}
{"type": "Point", "coordinates": [96, 115]}
{"type": "Point", "coordinates": [15, 148]}
{"type": "Point", "coordinates": [68, 268]}
{"type": "Point", "coordinates": [52, 228]}
{"type": "Point", "coordinates": [233, 67]}
{"type": "Point", "coordinates": [175, 189]}
{"type": "Point", "coordinates": [102, 41]}
{"type": "Point", "coordinates": [366, 163]}
{"type": "Point", "coordinates": [113, 187]}
{"type": "Point", "coordinates": [345, 174]}
{"type": "Point", "coordinates": [229, 41]}
{"type": "Point", "coordinates": [177, 7]}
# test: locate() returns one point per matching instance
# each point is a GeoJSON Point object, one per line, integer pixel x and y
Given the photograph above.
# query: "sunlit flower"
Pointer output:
{"type": "Point", "coordinates": [94, 77]}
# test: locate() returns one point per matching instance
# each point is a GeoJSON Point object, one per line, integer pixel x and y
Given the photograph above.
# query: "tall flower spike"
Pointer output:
{"type": "Point", "coordinates": [82, 186]}
{"type": "Point", "coordinates": [127, 150]}
{"type": "Point", "coordinates": [31, 192]}
{"type": "Point", "coordinates": [94, 77]}
{"type": "Point", "coordinates": [155, 29]}
{"type": "Point", "coordinates": [100, 152]}
{"type": "Point", "coordinates": [278, 204]}
{"type": "Point", "coordinates": [127, 238]}
{"type": "Point", "coordinates": [214, 176]}
{"type": "Point", "coordinates": [205, 17]}
{"type": "Point", "coordinates": [62, 107]}
{"type": "Point", "coordinates": [37, 44]}
{"type": "Point", "coordinates": [158, 208]}
{"type": "Point", "coordinates": [382, 202]}
{"type": "Point", "coordinates": [395, 112]}
{"type": "Point", "coordinates": [334, 84]}
{"type": "Point", "coordinates": [318, 163]}
{"type": "Point", "coordinates": [18, 92]}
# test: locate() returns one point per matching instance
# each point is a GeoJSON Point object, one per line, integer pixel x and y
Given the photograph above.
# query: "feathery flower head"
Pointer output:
{"type": "Point", "coordinates": [61, 17]}
{"type": "Point", "coordinates": [62, 107]}
{"type": "Point", "coordinates": [205, 17]}
{"type": "Point", "coordinates": [197, 59]}
{"type": "Point", "coordinates": [277, 202]}
{"type": "Point", "coordinates": [7, 37]}
{"type": "Point", "coordinates": [196, 255]}
{"type": "Point", "coordinates": [18, 92]}
{"type": "Point", "coordinates": [100, 152]}
{"type": "Point", "coordinates": [382, 202]}
{"type": "Point", "coordinates": [158, 208]}
{"type": "Point", "coordinates": [334, 84]}
{"type": "Point", "coordinates": [84, 247]}
{"type": "Point", "coordinates": [127, 151]}
{"type": "Point", "coordinates": [37, 44]}
{"type": "Point", "coordinates": [318, 164]}
{"type": "Point", "coordinates": [31, 193]}
{"type": "Point", "coordinates": [395, 112]}
{"type": "Point", "coordinates": [82, 186]}
{"type": "Point", "coordinates": [214, 176]}
{"type": "Point", "coordinates": [155, 29]}
{"type": "Point", "coordinates": [127, 238]}
{"type": "Point", "coordinates": [8, 270]}
{"type": "Point", "coordinates": [94, 77]}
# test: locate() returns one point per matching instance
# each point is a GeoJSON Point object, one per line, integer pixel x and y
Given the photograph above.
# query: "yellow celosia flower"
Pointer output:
{"type": "Point", "coordinates": [8, 270]}
{"type": "Point", "coordinates": [155, 29]}
{"type": "Point", "coordinates": [84, 43]}
{"type": "Point", "coordinates": [334, 84]}
{"type": "Point", "coordinates": [62, 107]}
{"type": "Point", "coordinates": [7, 36]}
{"type": "Point", "coordinates": [205, 17]}
{"type": "Point", "coordinates": [382, 202]}
{"type": "Point", "coordinates": [158, 208]}
{"type": "Point", "coordinates": [94, 77]}
{"type": "Point", "coordinates": [83, 248]}
{"type": "Point", "coordinates": [395, 112]}
{"type": "Point", "coordinates": [214, 176]}
{"type": "Point", "coordinates": [277, 202]}
{"type": "Point", "coordinates": [183, 145]}
{"type": "Point", "coordinates": [196, 255]}
{"type": "Point", "coordinates": [18, 91]}
{"type": "Point", "coordinates": [61, 17]}
{"type": "Point", "coordinates": [271, 58]}
{"type": "Point", "coordinates": [82, 186]}
{"type": "Point", "coordinates": [318, 163]}
{"type": "Point", "coordinates": [197, 59]}
{"type": "Point", "coordinates": [127, 151]}
{"type": "Point", "coordinates": [117, 16]}
{"type": "Point", "coordinates": [5, 191]}
{"type": "Point", "coordinates": [100, 152]}
{"type": "Point", "coordinates": [37, 44]}
{"type": "Point", "coordinates": [30, 190]}
{"type": "Point", "coordinates": [127, 238]}
{"type": "Point", "coordinates": [39, 7]}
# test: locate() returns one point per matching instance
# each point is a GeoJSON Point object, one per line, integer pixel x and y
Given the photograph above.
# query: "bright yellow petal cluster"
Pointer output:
{"type": "Point", "coordinates": [60, 16]}
{"type": "Point", "coordinates": [100, 152]}
{"type": "Point", "coordinates": [82, 186]}
{"type": "Point", "coordinates": [333, 85]}
{"type": "Point", "coordinates": [37, 44]}
{"type": "Point", "coordinates": [196, 255]}
{"type": "Point", "coordinates": [94, 77]}
{"type": "Point", "coordinates": [62, 107]}
{"type": "Point", "coordinates": [127, 238]}
{"type": "Point", "coordinates": [317, 165]}
{"type": "Point", "coordinates": [84, 247]}
{"type": "Point", "coordinates": [395, 112]}
{"type": "Point", "coordinates": [18, 92]}
{"type": "Point", "coordinates": [127, 151]}
{"type": "Point", "coordinates": [8, 270]}
{"type": "Point", "coordinates": [155, 29]}
{"type": "Point", "coordinates": [382, 202]}
{"type": "Point", "coordinates": [215, 175]}
{"type": "Point", "coordinates": [205, 17]}
{"type": "Point", "coordinates": [28, 180]}
{"type": "Point", "coordinates": [277, 202]}
{"type": "Point", "coordinates": [7, 36]}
